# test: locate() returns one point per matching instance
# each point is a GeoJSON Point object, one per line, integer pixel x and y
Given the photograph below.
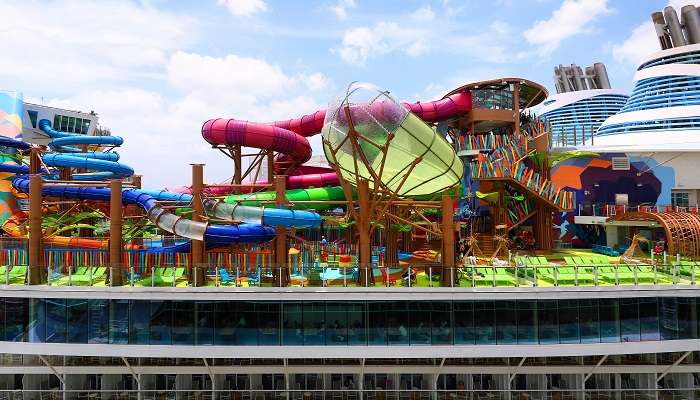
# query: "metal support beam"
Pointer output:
{"type": "Point", "coordinates": [672, 366]}
{"type": "Point", "coordinates": [212, 376]}
{"type": "Point", "coordinates": [131, 370]}
{"type": "Point", "coordinates": [598, 364]}
{"type": "Point", "coordinates": [53, 370]}
{"type": "Point", "coordinates": [437, 372]}
{"type": "Point", "coordinates": [512, 376]}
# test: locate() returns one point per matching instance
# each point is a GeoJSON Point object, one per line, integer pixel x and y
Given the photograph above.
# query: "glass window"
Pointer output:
{"type": "Point", "coordinates": [268, 319]}
{"type": "Point", "coordinates": [119, 321]}
{"type": "Point", "coordinates": [314, 315]}
{"type": "Point", "coordinates": [337, 331]}
{"type": "Point", "coordinates": [506, 332]}
{"type": "Point", "coordinates": [609, 320]}
{"type": "Point", "coordinates": [420, 322]}
{"type": "Point", "coordinates": [397, 323]}
{"type": "Point", "coordinates": [86, 127]}
{"type": "Point", "coordinates": [568, 321]}
{"type": "Point", "coordinates": [484, 321]}
{"type": "Point", "coordinates": [204, 322]}
{"type": "Point", "coordinates": [15, 319]}
{"type": "Point", "coordinates": [687, 319]}
{"type": "Point", "coordinates": [680, 199]}
{"type": "Point", "coordinates": [589, 321]}
{"type": "Point", "coordinates": [77, 317]}
{"type": "Point", "coordinates": [441, 318]}
{"type": "Point", "coordinates": [292, 324]}
{"type": "Point", "coordinates": [71, 124]}
{"type": "Point", "coordinates": [547, 317]}
{"type": "Point", "coordinates": [64, 123]}
{"type": "Point", "coordinates": [56, 122]}
{"type": "Point", "coordinates": [377, 313]}
{"type": "Point", "coordinates": [32, 117]}
{"type": "Point", "coordinates": [183, 322]}
{"type": "Point", "coordinates": [36, 330]}
{"type": "Point", "coordinates": [629, 320]}
{"type": "Point", "coordinates": [98, 317]}
{"type": "Point", "coordinates": [649, 318]}
{"type": "Point", "coordinates": [527, 328]}
{"type": "Point", "coordinates": [226, 320]}
{"type": "Point", "coordinates": [140, 319]}
{"type": "Point", "coordinates": [55, 320]}
{"type": "Point", "coordinates": [464, 322]}
{"type": "Point", "coordinates": [161, 322]}
{"type": "Point", "coordinates": [357, 334]}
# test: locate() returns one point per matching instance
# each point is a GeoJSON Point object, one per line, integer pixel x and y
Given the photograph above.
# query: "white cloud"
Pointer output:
{"type": "Point", "coordinates": [61, 43]}
{"type": "Point", "coordinates": [162, 133]}
{"type": "Point", "coordinates": [340, 9]}
{"type": "Point", "coordinates": [573, 17]}
{"type": "Point", "coordinates": [417, 33]}
{"type": "Point", "coordinates": [361, 43]}
{"type": "Point", "coordinates": [642, 41]}
{"type": "Point", "coordinates": [244, 8]}
{"type": "Point", "coordinates": [424, 14]}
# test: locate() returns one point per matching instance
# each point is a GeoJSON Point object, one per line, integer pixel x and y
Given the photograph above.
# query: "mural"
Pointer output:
{"type": "Point", "coordinates": [11, 109]}
{"type": "Point", "coordinates": [596, 184]}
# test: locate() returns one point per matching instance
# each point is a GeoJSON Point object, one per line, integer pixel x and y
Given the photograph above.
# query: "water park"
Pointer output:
{"type": "Point", "coordinates": [452, 192]}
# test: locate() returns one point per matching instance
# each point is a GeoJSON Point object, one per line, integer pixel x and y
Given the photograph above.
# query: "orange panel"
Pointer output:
{"type": "Point", "coordinates": [568, 176]}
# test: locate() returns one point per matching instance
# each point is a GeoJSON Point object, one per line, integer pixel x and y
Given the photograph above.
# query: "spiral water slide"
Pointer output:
{"type": "Point", "coordinates": [289, 139]}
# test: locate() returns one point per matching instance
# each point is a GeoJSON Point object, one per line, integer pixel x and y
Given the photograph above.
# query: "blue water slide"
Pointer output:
{"type": "Point", "coordinates": [104, 164]}
{"type": "Point", "coordinates": [212, 234]}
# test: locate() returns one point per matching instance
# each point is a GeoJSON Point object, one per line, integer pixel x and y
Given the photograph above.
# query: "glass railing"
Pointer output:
{"type": "Point", "coordinates": [546, 274]}
{"type": "Point", "coordinates": [354, 394]}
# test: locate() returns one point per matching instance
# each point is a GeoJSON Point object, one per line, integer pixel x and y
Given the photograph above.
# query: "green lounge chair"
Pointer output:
{"type": "Point", "coordinates": [87, 278]}
{"type": "Point", "coordinates": [17, 275]}
{"type": "Point", "coordinates": [168, 278]}
{"type": "Point", "coordinates": [485, 276]}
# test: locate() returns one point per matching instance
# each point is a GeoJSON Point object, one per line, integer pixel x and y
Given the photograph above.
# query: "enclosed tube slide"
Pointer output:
{"type": "Point", "coordinates": [104, 163]}
{"type": "Point", "coordinates": [288, 137]}
{"type": "Point", "coordinates": [245, 213]}
{"type": "Point", "coordinates": [329, 193]}
{"type": "Point", "coordinates": [220, 234]}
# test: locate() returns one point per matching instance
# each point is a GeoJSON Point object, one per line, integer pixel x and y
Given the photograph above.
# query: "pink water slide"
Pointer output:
{"type": "Point", "coordinates": [289, 137]}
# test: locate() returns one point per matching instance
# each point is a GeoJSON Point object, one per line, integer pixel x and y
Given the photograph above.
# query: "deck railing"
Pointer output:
{"type": "Point", "coordinates": [416, 276]}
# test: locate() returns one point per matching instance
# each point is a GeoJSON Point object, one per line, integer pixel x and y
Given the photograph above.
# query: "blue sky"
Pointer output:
{"type": "Point", "coordinates": [156, 70]}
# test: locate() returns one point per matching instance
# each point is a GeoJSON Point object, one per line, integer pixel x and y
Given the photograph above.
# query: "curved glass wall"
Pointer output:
{"type": "Point", "coordinates": [582, 116]}
{"type": "Point", "coordinates": [692, 57]}
{"type": "Point", "coordinates": [664, 91]}
{"type": "Point", "coordinates": [348, 323]}
{"type": "Point", "coordinates": [656, 124]}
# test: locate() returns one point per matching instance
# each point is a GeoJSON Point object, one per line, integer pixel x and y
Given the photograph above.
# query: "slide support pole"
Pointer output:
{"type": "Point", "coordinates": [115, 232]}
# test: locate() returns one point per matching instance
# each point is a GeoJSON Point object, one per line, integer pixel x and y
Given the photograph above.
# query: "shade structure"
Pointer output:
{"type": "Point", "coordinates": [367, 134]}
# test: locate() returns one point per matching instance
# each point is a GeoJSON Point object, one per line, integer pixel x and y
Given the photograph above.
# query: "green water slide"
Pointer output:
{"type": "Point", "coordinates": [330, 193]}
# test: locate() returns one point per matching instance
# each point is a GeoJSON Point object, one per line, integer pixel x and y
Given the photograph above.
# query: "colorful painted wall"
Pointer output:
{"type": "Point", "coordinates": [647, 182]}
{"type": "Point", "coordinates": [11, 109]}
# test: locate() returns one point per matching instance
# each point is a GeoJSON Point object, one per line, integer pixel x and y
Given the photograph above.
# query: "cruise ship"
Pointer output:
{"type": "Point", "coordinates": [582, 103]}
{"type": "Point", "coordinates": [422, 257]}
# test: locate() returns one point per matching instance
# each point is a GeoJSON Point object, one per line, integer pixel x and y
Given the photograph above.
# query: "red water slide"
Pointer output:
{"type": "Point", "coordinates": [288, 137]}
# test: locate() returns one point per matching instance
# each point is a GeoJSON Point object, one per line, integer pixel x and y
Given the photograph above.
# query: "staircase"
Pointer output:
{"type": "Point", "coordinates": [486, 244]}
{"type": "Point", "coordinates": [507, 164]}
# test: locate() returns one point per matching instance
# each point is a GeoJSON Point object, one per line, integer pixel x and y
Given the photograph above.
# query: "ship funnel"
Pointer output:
{"type": "Point", "coordinates": [601, 76]}
{"type": "Point", "coordinates": [674, 33]}
{"type": "Point", "coordinates": [674, 27]}
{"type": "Point", "coordinates": [572, 78]}
{"type": "Point", "coordinates": [690, 17]}
{"type": "Point", "coordinates": [660, 27]}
